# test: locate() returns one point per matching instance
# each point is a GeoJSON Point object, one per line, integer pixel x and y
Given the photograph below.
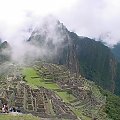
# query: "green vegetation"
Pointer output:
{"type": "Point", "coordinates": [117, 80]}
{"type": "Point", "coordinates": [78, 112]}
{"type": "Point", "coordinates": [18, 117]}
{"type": "Point", "coordinates": [116, 51]}
{"type": "Point", "coordinates": [32, 78]}
{"type": "Point", "coordinates": [65, 96]}
{"type": "Point", "coordinates": [112, 107]}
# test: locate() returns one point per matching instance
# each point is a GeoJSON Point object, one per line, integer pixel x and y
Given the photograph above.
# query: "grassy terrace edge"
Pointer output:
{"type": "Point", "coordinates": [17, 117]}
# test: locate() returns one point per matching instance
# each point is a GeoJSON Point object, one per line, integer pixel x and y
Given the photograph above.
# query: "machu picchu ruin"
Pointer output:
{"type": "Point", "coordinates": [50, 91]}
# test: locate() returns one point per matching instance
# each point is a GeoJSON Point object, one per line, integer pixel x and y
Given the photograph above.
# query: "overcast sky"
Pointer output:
{"type": "Point", "coordinates": [92, 18]}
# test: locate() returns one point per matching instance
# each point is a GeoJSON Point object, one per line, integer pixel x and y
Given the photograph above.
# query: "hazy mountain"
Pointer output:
{"type": "Point", "coordinates": [53, 42]}
{"type": "Point", "coordinates": [5, 51]}
{"type": "Point", "coordinates": [83, 55]}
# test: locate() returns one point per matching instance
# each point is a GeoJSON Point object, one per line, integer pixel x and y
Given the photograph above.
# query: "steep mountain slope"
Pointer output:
{"type": "Point", "coordinates": [96, 61]}
{"type": "Point", "coordinates": [116, 51]}
{"type": "Point", "coordinates": [82, 55]}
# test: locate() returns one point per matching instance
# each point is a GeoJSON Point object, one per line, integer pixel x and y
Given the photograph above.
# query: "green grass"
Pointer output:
{"type": "Point", "coordinates": [80, 115]}
{"type": "Point", "coordinates": [30, 73]}
{"type": "Point", "coordinates": [65, 96]}
{"type": "Point", "coordinates": [18, 117]}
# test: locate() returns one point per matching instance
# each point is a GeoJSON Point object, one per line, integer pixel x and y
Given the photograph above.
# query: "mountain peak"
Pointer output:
{"type": "Point", "coordinates": [50, 29]}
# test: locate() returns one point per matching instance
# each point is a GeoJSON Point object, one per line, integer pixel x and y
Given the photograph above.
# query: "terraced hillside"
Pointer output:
{"type": "Point", "coordinates": [50, 91]}
{"type": "Point", "coordinates": [81, 96]}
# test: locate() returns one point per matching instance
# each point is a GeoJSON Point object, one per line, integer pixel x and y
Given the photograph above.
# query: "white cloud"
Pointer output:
{"type": "Point", "coordinates": [86, 17]}
{"type": "Point", "coordinates": [14, 14]}
{"type": "Point", "coordinates": [93, 17]}
{"type": "Point", "coordinates": [13, 11]}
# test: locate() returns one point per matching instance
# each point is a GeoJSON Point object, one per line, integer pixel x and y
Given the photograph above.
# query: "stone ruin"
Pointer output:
{"type": "Point", "coordinates": [33, 100]}
{"type": "Point", "coordinates": [76, 84]}
{"type": "Point", "coordinates": [43, 102]}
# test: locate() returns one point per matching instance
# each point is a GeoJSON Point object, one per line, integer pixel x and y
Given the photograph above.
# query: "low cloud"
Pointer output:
{"type": "Point", "coordinates": [40, 40]}
{"type": "Point", "coordinates": [91, 18]}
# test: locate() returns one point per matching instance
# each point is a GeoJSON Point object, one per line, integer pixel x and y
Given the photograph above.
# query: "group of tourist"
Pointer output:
{"type": "Point", "coordinates": [5, 109]}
